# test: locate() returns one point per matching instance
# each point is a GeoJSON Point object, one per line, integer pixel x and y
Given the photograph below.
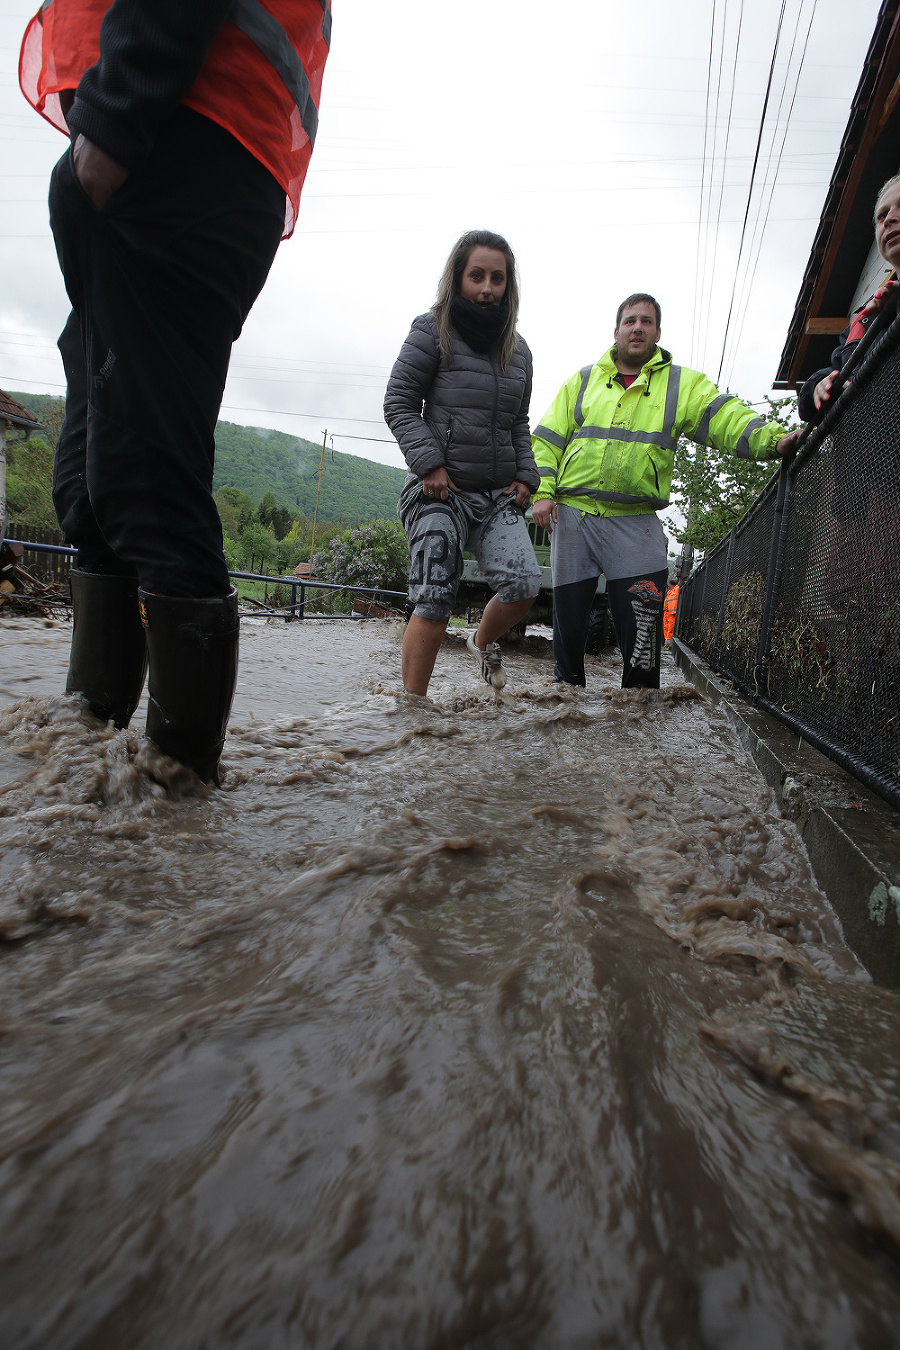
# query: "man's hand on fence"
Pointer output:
{"type": "Point", "coordinates": [790, 442]}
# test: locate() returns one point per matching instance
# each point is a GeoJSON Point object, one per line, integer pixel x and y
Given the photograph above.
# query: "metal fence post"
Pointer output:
{"type": "Point", "coordinates": [702, 610]}
{"type": "Point", "coordinates": [774, 567]}
{"type": "Point", "coordinates": [726, 583]}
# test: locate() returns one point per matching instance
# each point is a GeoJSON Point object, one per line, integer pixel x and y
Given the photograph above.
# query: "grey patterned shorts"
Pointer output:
{"type": "Point", "coordinates": [487, 524]}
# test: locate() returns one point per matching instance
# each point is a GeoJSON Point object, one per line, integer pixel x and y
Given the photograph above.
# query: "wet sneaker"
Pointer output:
{"type": "Point", "coordinates": [489, 662]}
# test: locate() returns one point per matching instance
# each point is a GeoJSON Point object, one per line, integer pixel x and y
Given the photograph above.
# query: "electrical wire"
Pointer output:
{"type": "Point", "coordinates": [747, 291]}
{"type": "Point", "coordinates": [769, 157]}
{"type": "Point", "coordinates": [695, 316]}
{"type": "Point", "coordinates": [715, 250]}
{"type": "Point", "coordinates": [762, 121]}
{"type": "Point", "coordinates": [313, 417]}
{"type": "Point", "coordinates": [380, 440]}
{"type": "Point", "coordinates": [768, 182]}
{"type": "Point", "coordinates": [709, 190]}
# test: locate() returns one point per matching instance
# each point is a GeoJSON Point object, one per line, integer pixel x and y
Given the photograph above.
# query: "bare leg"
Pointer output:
{"type": "Point", "coordinates": [421, 644]}
{"type": "Point", "coordinates": [498, 617]}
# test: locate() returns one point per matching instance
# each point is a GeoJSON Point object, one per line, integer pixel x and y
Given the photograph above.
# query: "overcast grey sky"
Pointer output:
{"type": "Point", "coordinates": [577, 131]}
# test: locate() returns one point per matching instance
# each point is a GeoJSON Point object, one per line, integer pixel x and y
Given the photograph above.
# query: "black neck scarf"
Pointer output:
{"type": "Point", "coordinates": [478, 325]}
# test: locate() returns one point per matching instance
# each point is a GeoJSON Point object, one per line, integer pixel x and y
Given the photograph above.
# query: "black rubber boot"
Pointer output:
{"type": "Point", "coordinates": [108, 660]}
{"type": "Point", "coordinates": [193, 648]}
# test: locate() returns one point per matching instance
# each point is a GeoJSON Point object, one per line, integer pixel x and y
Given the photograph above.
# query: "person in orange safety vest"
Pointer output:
{"type": "Point", "coordinates": [670, 608]}
{"type": "Point", "coordinates": [191, 129]}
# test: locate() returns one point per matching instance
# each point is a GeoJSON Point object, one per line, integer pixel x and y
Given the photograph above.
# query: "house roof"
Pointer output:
{"type": "Point", "coordinates": [17, 416]}
{"type": "Point", "coordinates": [869, 154]}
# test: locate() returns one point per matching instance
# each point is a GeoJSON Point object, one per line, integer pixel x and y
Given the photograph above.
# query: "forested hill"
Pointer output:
{"type": "Point", "coordinates": [257, 460]}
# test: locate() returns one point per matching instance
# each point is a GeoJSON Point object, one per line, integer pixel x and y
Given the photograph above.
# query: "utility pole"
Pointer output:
{"type": "Point", "coordinates": [312, 542]}
{"type": "Point", "coordinates": [2, 480]}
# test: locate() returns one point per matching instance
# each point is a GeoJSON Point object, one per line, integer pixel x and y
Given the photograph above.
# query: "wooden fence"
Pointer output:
{"type": "Point", "coordinates": [51, 568]}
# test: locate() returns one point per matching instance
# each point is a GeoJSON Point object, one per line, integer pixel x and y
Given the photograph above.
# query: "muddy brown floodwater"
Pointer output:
{"type": "Point", "coordinates": [470, 1024]}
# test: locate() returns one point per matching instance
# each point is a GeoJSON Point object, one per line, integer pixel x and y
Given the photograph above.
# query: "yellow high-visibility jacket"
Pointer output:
{"type": "Point", "coordinates": [610, 451]}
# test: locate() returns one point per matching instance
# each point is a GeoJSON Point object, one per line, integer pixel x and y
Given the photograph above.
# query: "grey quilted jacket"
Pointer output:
{"type": "Point", "coordinates": [475, 415]}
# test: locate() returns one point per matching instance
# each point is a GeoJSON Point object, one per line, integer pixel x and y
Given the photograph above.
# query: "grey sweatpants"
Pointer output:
{"type": "Point", "coordinates": [487, 524]}
{"type": "Point", "coordinates": [583, 546]}
{"type": "Point", "coordinates": [630, 551]}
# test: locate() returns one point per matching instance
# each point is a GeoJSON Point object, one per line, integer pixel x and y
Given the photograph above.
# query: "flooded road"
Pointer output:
{"type": "Point", "coordinates": [448, 1024]}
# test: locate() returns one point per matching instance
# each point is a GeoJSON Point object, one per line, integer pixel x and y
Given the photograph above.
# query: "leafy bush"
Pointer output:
{"type": "Point", "coordinates": [375, 555]}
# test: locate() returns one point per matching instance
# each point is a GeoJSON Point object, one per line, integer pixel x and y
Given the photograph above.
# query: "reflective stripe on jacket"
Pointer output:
{"type": "Point", "coordinates": [610, 451]}
{"type": "Point", "coordinates": [260, 75]}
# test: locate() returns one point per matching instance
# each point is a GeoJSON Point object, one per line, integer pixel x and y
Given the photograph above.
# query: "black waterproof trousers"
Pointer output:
{"type": "Point", "coordinates": [635, 606]}
{"type": "Point", "coordinates": [160, 282]}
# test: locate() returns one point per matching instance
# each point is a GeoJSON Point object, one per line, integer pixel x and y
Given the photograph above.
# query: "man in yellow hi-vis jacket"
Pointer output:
{"type": "Point", "coordinates": [605, 451]}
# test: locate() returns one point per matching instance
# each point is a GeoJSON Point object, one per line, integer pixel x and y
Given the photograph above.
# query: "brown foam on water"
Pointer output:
{"type": "Point", "coordinates": [870, 1181]}
{"type": "Point", "coordinates": [396, 1040]}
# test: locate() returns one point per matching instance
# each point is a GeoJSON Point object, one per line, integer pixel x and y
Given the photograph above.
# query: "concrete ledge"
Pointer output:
{"type": "Point", "coordinates": [851, 835]}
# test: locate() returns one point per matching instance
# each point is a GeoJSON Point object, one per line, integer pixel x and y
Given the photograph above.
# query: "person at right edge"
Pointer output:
{"type": "Point", "coordinates": [605, 451]}
{"type": "Point", "coordinates": [815, 393]}
{"type": "Point", "coordinates": [191, 128]}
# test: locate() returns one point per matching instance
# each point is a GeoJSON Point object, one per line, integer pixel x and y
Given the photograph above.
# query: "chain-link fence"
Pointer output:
{"type": "Point", "coordinates": [800, 605]}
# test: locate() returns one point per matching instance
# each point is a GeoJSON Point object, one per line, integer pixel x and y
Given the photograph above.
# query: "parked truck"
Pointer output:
{"type": "Point", "coordinates": [474, 592]}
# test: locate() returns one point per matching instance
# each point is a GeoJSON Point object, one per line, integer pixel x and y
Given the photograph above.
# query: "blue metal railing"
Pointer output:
{"type": "Point", "coordinates": [296, 607]}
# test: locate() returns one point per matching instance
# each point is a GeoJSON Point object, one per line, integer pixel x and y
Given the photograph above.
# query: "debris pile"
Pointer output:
{"type": "Point", "coordinates": [23, 593]}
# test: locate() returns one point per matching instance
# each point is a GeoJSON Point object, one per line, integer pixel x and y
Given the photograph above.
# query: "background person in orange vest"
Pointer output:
{"type": "Point", "coordinates": [192, 126]}
{"type": "Point", "coordinates": [670, 607]}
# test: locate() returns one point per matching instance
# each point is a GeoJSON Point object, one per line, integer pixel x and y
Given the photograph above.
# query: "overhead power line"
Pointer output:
{"type": "Point", "coordinates": [313, 417]}
{"type": "Point", "coordinates": [695, 321]}
{"type": "Point", "coordinates": [750, 270]}
{"type": "Point", "coordinates": [715, 249]}
{"type": "Point", "coordinates": [762, 122]}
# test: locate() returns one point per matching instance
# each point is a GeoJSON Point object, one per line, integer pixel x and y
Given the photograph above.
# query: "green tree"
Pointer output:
{"type": "Point", "coordinates": [289, 553]}
{"type": "Point", "coordinates": [281, 522]}
{"type": "Point", "coordinates": [257, 547]}
{"type": "Point", "coordinates": [267, 506]}
{"type": "Point", "coordinates": [235, 509]}
{"type": "Point", "coordinates": [714, 488]}
{"type": "Point", "coordinates": [29, 480]}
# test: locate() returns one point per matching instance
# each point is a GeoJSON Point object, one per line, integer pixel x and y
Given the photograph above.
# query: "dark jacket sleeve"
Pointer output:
{"type": "Point", "coordinates": [526, 468]}
{"type": "Point", "coordinates": [151, 52]}
{"type": "Point", "coordinates": [847, 344]}
{"type": "Point", "coordinates": [407, 389]}
{"type": "Point", "coordinates": [806, 400]}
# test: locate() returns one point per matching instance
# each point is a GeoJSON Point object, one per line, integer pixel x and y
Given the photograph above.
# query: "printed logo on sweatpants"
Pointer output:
{"type": "Point", "coordinates": [646, 589]}
{"type": "Point", "coordinates": [646, 608]}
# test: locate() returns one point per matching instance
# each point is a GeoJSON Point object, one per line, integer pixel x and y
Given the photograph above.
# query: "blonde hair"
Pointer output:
{"type": "Point", "coordinates": [881, 191]}
{"type": "Point", "coordinates": [450, 285]}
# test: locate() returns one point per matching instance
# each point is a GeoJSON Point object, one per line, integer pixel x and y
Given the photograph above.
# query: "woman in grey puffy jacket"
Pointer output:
{"type": "Point", "coordinates": [457, 402]}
